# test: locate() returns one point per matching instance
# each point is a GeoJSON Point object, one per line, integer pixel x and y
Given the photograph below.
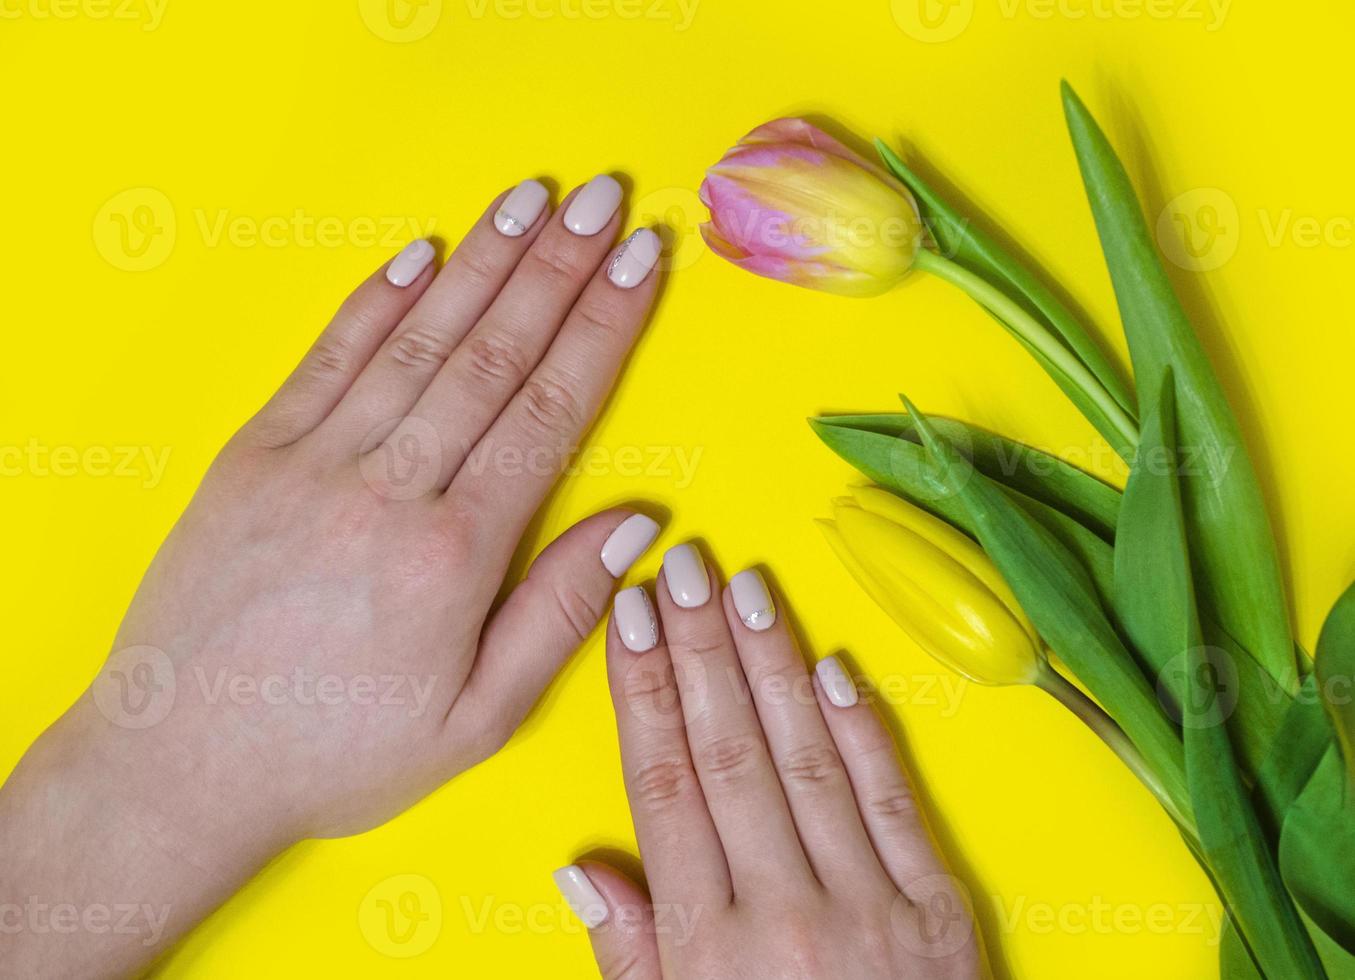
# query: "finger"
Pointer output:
{"type": "Point", "coordinates": [727, 745]}
{"type": "Point", "coordinates": [884, 794]}
{"type": "Point", "coordinates": [619, 918]}
{"type": "Point", "coordinates": [498, 354]}
{"type": "Point", "coordinates": [683, 857]}
{"type": "Point", "coordinates": [804, 753]}
{"type": "Point", "coordinates": [456, 299]}
{"type": "Point", "coordinates": [544, 422]}
{"type": "Point", "coordinates": [552, 612]}
{"type": "Point", "coordinates": [341, 352]}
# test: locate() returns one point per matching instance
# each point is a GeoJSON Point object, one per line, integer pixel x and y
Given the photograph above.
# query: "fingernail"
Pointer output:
{"type": "Point", "coordinates": [688, 583]}
{"type": "Point", "coordinates": [410, 263]}
{"type": "Point", "coordinates": [521, 208]}
{"type": "Point", "coordinates": [593, 206]}
{"type": "Point", "coordinates": [752, 601]}
{"type": "Point", "coordinates": [635, 620]}
{"type": "Point", "coordinates": [635, 258]}
{"type": "Point", "coordinates": [837, 683]}
{"type": "Point", "coordinates": [586, 901]}
{"type": "Point", "coordinates": [627, 543]}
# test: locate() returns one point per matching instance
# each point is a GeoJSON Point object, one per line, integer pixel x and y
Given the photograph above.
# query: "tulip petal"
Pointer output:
{"type": "Point", "coordinates": [720, 245]}
{"type": "Point", "coordinates": [795, 130]}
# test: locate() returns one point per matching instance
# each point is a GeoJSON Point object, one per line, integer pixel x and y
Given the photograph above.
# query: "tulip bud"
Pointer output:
{"type": "Point", "coordinates": [939, 586]}
{"type": "Point", "coordinates": [791, 203]}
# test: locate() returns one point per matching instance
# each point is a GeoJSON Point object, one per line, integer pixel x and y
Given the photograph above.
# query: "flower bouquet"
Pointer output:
{"type": "Point", "coordinates": [1163, 601]}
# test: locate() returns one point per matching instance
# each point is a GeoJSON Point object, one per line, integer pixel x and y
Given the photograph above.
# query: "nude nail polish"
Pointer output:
{"type": "Point", "coordinates": [521, 208]}
{"type": "Point", "coordinates": [593, 206]}
{"type": "Point", "coordinates": [837, 683]}
{"type": "Point", "coordinates": [627, 543]}
{"type": "Point", "coordinates": [582, 895]}
{"type": "Point", "coordinates": [688, 583]}
{"type": "Point", "coordinates": [410, 263]}
{"type": "Point", "coordinates": [635, 258]}
{"type": "Point", "coordinates": [635, 620]}
{"type": "Point", "coordinates": [752, 600]}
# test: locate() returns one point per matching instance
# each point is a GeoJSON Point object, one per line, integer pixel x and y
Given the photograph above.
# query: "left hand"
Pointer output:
{"type": "Point", "coordinates": [780, 835]}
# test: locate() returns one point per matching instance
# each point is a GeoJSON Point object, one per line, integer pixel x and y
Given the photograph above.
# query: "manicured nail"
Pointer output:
{"type": "Point", "coordinates": [635, 258]}
{"type": "Point", "coordinates": [627, 543]}
{"type": "Point", "coordinates": [752, 601]}
{"type": "Point", "coordinates": [837, 683]}
{"type": "Point", "coordinates": [635, 620]}
{"type": "Point", "coordinates": [688, 583]}
{"type": "Point", "coordinates": [410, 263]}
{"type": "Point", "coordinates": [521, 208]}
{"type": "Point", "coordinates": [586, 901]}
{"type": "Point", "coordinates": [593, 206]}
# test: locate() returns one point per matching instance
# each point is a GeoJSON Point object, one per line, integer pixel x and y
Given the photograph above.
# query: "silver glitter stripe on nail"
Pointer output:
{"type": "Point", "coordinates": [752, 619]}
{"type": "Point", "coordinates": [653, 620]}
{"type": "Point", "coordinates": [513, 223]}
{"type": "Point", "coordinates": [620, 252]}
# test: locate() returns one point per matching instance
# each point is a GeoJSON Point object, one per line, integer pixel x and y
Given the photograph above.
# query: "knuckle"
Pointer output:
{"type": "Point", "coordinates": [551, 406]}
{"type": "Point", "coordinates": [580, 611]}
{"type": "Point", "coordinates": [702, 645]}
{"type": "Point", "coordinates": [623, 964]}
{"type": "Point", "coordinates": [495, 362]}
{"type": "Point", "coordinates": [660, 783]}
{"type": "Point", "coordinates": [894, 806]}
{"type": "Point", "coordinates": [596, 317]}
{"type": "Point", "coordinates": [812, 765]}
{"type": "Point", "coordinates": [558, 267]}
{"type": "Point", "coordinates": [475, 269]}
{"type": "Point", "coordinates": [730, 758]}
{"type": "Point", "coordinates": [329, 357]}
{"type": "Point", "coordinates": [648, 682]}
{"type": "Point", "coordinates": [420, 346]}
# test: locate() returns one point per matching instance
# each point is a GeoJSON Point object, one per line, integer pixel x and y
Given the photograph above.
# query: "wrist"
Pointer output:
{"type": "Point", "coordinates": [106, 826]}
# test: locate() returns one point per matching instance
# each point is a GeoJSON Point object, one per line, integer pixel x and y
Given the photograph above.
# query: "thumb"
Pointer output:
{"type": "Point", "coordinates": [549, 614]}
{"type": "Point", "coordinates": [619, 917]}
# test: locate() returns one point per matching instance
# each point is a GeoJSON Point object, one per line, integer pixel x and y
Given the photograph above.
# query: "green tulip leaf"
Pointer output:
{"type": "Point", "coordinates": [901, 465]}
{"type": "Point", "coordinates": [1237, 570]}
{"type": "Point", "coordinates": [1034, 473]}
{"type": "Point", "coordinates": [1301, 741]}
{"type": "Point", "coordinates": [1155, 596]}
{"type": "Point", "coordinates": [1235, 963]}
{"type": "Point", "coordinates": [1317, 850]}
{"type": "Point", "coordinates": [1335, 669]}
{"type": "Point", "coordinates": [1061, 600]}
{"type": "Point", "coordinates": [962, 241]}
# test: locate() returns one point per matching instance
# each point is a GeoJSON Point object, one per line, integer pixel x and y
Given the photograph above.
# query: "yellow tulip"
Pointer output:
{"type": "Point", "coordinates": [950, 598]}
{"type": "Point", "coordinates": [939, 586]}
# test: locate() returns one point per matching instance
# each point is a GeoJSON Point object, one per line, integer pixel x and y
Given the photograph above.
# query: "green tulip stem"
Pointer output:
{"type": "Point", "coordinates": [1058, 687]}
{"type": "Point", "coordinates": [1034, 333]}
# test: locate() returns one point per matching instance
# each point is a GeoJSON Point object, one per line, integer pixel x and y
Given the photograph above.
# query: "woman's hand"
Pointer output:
{"type": "Point", "coordinates": [780, 836]}
{"type": "Point", "coordinates": [315, 646]}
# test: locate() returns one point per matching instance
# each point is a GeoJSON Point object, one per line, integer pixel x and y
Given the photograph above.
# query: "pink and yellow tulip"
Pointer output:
{"type": "Point", "coordinates": [791, 203]}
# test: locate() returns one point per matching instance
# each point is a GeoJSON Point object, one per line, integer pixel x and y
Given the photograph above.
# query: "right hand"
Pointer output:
{"type": "Point", "coordinates": [779, 832]}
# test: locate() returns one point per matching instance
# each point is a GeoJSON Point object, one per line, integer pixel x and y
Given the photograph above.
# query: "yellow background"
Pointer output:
{"type": "Point", "coordinates": [250, 111]}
